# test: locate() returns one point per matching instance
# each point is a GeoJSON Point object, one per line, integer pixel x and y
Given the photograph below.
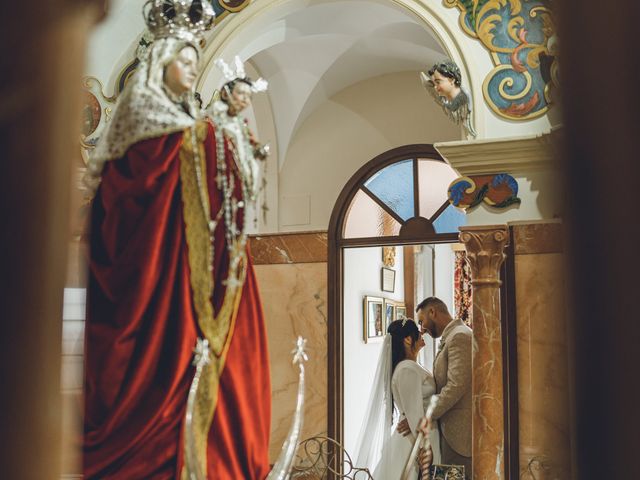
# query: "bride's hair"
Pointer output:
{"type": "Point", "coordinates": [399, 330]}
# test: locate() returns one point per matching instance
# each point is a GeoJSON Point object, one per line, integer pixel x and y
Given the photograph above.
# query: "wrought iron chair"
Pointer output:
{"type": "Point", "coordinates": [316, 461]}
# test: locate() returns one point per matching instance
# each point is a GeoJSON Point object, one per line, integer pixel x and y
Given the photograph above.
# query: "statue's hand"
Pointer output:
{"type": "Point", "coordinates": [261, 152]}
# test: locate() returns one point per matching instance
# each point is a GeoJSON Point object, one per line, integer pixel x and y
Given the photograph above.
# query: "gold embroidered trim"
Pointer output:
{"type": "Point", "coordinates": [217, 329]}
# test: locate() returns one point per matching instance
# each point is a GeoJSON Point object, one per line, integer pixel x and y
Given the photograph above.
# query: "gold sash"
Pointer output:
{"type": "Point", "coordinates": [217, 329]}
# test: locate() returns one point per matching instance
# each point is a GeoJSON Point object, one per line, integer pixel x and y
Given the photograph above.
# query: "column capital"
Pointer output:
{"type": "Point", "coordinates": [485, 252]}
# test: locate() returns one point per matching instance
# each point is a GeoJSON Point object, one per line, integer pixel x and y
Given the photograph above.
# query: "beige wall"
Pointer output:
{"type": "Point", "coordinates": [359, 123]}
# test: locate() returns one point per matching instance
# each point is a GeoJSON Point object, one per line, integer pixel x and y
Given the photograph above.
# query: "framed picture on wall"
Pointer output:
{"type": "Point", "coordinates": [388, 279]}
{"type": "Point", "coordinates": [374, 326]}
{"type": "Point", "coordinates": [401, 311]}
{"type": "Point", "coordinates": [389, 311]}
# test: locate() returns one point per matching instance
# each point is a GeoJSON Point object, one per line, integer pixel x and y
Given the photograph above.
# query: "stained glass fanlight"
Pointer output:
{"type": "Point", "coordinates": [409, 195]}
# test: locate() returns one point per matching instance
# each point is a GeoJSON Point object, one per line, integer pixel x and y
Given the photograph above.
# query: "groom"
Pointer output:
{"type": "Point", "coordinates": [452, 372]}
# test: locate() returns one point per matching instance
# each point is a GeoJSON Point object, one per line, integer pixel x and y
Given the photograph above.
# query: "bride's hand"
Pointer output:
{"type": "Point", "coordinates": [403, 428]}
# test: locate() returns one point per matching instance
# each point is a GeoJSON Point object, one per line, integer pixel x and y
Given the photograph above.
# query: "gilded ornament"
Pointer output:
{"type": "Point", "coordinates": [520, 36]}
{"type": "Point", "coordinates": [389, 256]}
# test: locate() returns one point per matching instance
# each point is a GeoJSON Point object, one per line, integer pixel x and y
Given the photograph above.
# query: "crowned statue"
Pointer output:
{"type": "Point", "coordinates": [169, 274]}
{"type": "Point", "coordinates": [235, 97]}
{"type": "Point", "coordinates": [443, 81]}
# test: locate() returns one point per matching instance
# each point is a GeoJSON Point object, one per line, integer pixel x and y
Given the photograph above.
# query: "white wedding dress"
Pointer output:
{"type": "Point", "coordinates": [412, 387]}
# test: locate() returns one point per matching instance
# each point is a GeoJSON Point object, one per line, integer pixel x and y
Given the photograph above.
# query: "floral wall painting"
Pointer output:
{"type": "Point", "coordinates": [521, 38]}
{"type": "Point", "coordinates": [498, 191]}
{"type": "Point", "coordinates": [96, 112]}
{"type": "Point", "coordinates": [91, 114]}
{"type": "Point", "coordinates": [374, 326]}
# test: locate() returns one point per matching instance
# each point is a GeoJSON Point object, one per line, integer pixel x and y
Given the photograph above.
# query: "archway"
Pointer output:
{"type": "Point", "coordinates": [398, 198]}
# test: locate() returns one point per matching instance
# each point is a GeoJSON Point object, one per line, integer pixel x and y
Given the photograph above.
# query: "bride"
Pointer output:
{"type": "Point", "coordinates": [402, 386]}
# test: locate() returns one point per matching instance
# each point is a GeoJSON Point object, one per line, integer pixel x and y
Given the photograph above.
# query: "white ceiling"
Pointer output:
{"type": "Point", "coordinates": [310, 53]}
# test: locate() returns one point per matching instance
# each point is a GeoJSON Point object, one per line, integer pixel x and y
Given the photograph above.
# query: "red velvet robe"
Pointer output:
{"type": "Point", "coordinates": [141, 329]}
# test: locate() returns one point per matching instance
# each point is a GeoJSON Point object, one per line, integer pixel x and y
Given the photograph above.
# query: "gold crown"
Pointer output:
{"type": "Point", "coordinates": [184, 19]}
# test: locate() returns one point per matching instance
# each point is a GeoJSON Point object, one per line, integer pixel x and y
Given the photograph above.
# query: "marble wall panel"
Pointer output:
{"type": "Point", "coordinates": [295, 303]}
{"type": "Point", "coordinates": [543, 377]}
{"type": "Point", "coordinates": [542, 237]}
{"type": "Point", "coordinates": [308, 247]}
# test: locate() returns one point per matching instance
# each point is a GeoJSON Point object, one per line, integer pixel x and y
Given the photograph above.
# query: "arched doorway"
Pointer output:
{"type": "Point", "coordinates": [398, 198]}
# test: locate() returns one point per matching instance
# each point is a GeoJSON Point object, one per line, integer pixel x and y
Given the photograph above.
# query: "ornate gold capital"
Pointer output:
{"type": "Point", "coordinates": [485, 252]}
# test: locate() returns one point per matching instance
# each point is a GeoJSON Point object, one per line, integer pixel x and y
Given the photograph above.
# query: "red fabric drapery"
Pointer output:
{"type": "Point", "coordinates": [141, 329]}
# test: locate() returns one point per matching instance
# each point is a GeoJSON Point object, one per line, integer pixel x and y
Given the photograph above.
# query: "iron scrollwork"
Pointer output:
{"type": "Point", "coordinates": [316, 459]}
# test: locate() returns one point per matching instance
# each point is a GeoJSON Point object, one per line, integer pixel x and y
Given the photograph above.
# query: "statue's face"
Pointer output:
{"type": "Point", "coordinates": [239, 98]}
{"type": "Point", "coordinates": [181, 73]}
{"type": "Point", "coordinates": [445, 86]}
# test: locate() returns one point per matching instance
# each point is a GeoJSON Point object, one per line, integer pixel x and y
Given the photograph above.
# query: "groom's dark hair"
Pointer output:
{"type": "Point", "coordinates": [432, 302]}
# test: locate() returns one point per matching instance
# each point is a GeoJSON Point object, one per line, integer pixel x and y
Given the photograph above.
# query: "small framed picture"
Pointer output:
{"type": "Point", "coordinates": [401, 311]}
{"type": "Point", "coordinates": [374, 319]}
{"type": "Point", "coordinates": [388, 277]}
{"type": "Point", "coordinates": [389, 311]}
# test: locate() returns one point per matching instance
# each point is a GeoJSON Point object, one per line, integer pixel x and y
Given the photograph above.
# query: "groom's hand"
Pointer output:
{"type": "Point", "coordinates": [403, 428]}
{"type": "Point", "coordinates": [424, 426]}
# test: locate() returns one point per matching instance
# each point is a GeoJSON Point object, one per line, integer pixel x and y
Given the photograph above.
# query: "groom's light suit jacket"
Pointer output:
{"type": "Point", "coordinates": [452, 371]}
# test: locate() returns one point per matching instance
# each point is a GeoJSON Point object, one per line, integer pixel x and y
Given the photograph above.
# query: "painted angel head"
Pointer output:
{"type": "Point", "coordinates": [443, 81]}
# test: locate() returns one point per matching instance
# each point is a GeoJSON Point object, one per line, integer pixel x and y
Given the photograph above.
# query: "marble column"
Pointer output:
{"type": "Point", "coordinates": [485, 253]}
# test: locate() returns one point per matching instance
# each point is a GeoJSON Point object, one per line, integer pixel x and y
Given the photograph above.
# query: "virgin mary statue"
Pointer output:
{"type": "Point", "coordinates": [169, 271]}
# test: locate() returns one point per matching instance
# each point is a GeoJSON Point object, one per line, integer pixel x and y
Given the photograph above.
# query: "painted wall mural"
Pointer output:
{"type": "Point", "coordinates": [498, 191]}
{"type": "Point", "coordinates": [96, 112]}
{"type": "Point", "coordinates": [521, 38]}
